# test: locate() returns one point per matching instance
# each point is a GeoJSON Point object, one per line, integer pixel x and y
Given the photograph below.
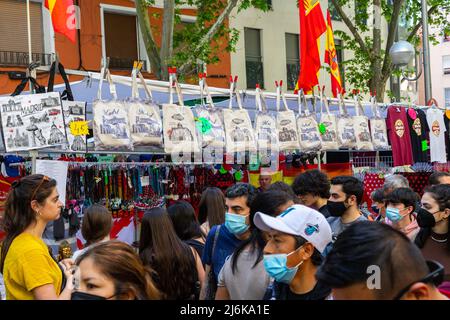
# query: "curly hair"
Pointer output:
{"type": "Point", "coordinates": [313, 182]}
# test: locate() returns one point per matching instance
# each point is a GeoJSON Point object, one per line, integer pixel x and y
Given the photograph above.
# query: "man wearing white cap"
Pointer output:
{"type": "Point", "coordinates": [265, 180]}
{"type": "Point", "coordinates": [296, 240]}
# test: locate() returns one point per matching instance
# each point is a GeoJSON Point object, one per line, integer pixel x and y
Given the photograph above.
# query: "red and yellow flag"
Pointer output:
{"type": "Point", "coordinates": [312, 26]}
{"type": "Point", "coordinates": [332, 60]}
{"type": "Point", "coordinates": [63, 17]}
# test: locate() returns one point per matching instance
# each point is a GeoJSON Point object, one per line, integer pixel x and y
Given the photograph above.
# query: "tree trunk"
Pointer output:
{"type": "Point", "coordinates": [147, 35]}
{"type": "Point", "coordinates": [376, 50]}
{"type": "Point", "coordinates": [167, 37]}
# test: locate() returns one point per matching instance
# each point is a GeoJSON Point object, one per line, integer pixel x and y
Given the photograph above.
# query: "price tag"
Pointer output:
{"type": "Point", "coordinates": [79, 128]}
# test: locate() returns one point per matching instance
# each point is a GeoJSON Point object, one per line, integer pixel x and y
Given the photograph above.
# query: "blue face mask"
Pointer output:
{"type": "Point", "coordinates": [275, 265]}
{"type": "Point", "coordinates": [393, 214]}
{"type": "Point", "coordinates": [235, 223]}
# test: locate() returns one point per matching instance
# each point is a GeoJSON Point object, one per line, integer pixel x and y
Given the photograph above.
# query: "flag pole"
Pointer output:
{"type": "Point", "coordinates": [30, 58]}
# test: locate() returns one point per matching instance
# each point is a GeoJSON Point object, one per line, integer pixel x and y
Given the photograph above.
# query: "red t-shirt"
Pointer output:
{"type": "Point", "coordinates": [399, 135]}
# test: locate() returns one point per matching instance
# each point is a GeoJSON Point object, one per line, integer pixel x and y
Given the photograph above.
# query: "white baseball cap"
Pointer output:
{"type": "Point", "coordinates": [298, 220]}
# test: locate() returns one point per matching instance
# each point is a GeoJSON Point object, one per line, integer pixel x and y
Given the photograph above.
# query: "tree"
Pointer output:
{"type": "Point", "coordinates": [193, 43]}
{"type": "Point", "coordinates": [371, 67]}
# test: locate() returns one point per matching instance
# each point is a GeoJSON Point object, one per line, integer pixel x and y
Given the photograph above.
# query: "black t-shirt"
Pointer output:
{"type": "Point", "coordinates": [324, 210]}
{"type": "Point", "coordinates": [320, 292]}
{"type": "Point", "coordinates": [419, 130]}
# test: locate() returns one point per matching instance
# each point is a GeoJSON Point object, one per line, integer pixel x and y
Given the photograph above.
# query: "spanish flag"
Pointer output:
{"type": "Point", "coordinates": [331, 59]}
{"type": "Point", "coordinates": [312, 26]}
{"type": "Point", "coordinates": [63, 15]}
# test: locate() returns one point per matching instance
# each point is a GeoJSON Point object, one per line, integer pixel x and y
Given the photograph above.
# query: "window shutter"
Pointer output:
{"type": "Point", "coordinates": [13, 26]}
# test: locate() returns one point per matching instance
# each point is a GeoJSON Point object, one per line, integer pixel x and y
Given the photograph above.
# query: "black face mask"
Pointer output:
{"type": "Point", "coordinates": [78, 295]}
{"type": "Point", "coordinates": [336, 209]}
{"type": "Point", "coordinates": [425, 218]}
{"type": "Point", "coordinates": [376, 209]}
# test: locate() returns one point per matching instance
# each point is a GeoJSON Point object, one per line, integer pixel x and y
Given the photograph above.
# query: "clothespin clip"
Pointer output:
{"type": "Point", "coordinates": [173, 75]}
{"type": "Point", "coordinates": [89, 80]}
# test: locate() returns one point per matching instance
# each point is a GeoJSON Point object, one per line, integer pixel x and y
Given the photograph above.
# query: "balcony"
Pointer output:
{"type": "Point", "coordinates": [255, 72]}
{"type": "Point", "coordinates": [293, 70]}
{"type": "Point", "coordinates": [15, 59]}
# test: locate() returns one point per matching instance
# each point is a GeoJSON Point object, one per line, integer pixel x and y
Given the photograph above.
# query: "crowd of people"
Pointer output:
{"type": "Point", "coordinates": [305, 241]}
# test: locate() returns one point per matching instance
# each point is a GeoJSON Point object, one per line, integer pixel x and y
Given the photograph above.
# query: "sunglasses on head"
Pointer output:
{"type": "Point", "coordinates": [44, 178]}
{"type": "Point", "coordinates": [436, 277]}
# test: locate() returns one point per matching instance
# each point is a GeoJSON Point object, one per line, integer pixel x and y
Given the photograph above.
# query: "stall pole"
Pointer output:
{"type": "Point", "coordinates": [30, 58]}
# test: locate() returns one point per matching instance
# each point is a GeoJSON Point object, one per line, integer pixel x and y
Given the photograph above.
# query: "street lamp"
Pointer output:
{"type": "Point", "coordinates": [402, 52]}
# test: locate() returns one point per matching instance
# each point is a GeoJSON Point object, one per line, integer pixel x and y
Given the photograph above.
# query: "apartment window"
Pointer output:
{"type": "Point", "coordinates": [253, 58]}
{"type": "Point", "coordinates": [14, 34]}
{"type": "Point", "coordinates": [340, 57]}
{"type": "Point", "coordinates": [446, 64]}
{"type": "Point", "coordinates": [121, 40]}
{"type": "Point", "coordinates": [292, 59]}
{"type": "Point", "coordinates": [447, 97]}
{"type": "Point", "coordinates": [333, 12]}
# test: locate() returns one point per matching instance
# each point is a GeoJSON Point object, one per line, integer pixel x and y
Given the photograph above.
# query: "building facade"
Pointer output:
{"type": "Point", "coordinates": [268, 50]}
{"type": "Point", "coordinates": [108, 28]}
{"type": "Point", "coordinates": [440, 70]}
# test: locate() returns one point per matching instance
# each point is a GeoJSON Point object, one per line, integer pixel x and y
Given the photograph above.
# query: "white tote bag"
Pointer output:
{"type": "Point", "coordinates": [345, 127]}
{"type": "Point", "coordinates": [32, 121]}
{"type": "Point", "coordinates": [210, 131]}
{"type": "Point", "coordinates": [265, 125]}
{"type": "Point", "coordinates": [378, 128]}
{"type": "Point", "coordinates": [179, 125]}
{"type": "Point", "coordinates": [144, 116]}
{"type": "Point", "coordinates": [286, 125]}
{"type": "Point", "coordinates": [308, 130]}
{"type": "Point", "coordinates": [110, 125]}
{"type": "Point", "coordinates": [328, 121]}
{"type": "Point", "coordinates": [362, 132]}
{"type": "Point", "coordinates": [74, 111]}
{"type": "Point", "coordinates": [239, 132]}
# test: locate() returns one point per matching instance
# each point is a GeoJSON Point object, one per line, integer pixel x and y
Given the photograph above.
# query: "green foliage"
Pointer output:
{"type": "Point", "coordinates": [187, 36]}
{"type": "Point", "coordinates": [359, 69]}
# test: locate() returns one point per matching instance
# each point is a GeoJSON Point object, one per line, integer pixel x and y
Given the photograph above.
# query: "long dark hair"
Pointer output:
{"type": "Point", "coordinates": [266, 202]}
{"type": "Point", "coordinates": [173, 260]}
{"type": "Point", "coordinates": [184, 221]}
{"type": "Point", "coordinates": [18, 212]}
{"type": "Point", "coordinates": [118, 261]}
{"type": "Point", "coordinates": [441, 194]}
{"type": "Point", "coordinates": [212, 207]}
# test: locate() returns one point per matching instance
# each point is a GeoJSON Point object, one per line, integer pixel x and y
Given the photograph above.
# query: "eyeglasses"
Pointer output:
{"type": "Point", "coordinates": [436, 276]}
{"type": "Point", "coordinates": [44, 178]}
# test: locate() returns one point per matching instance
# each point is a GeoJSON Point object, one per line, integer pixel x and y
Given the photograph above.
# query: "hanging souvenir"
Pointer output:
{"type": "Point", "coordinates": [210, 129]}
{"type": "Point", "coordinates": [345, 127]}
{"type": "Point", "coordinates": [74, 111]}
{"type": "Point", "coordinates": [286, 124]}
{"type": "Point", "coordinates": [361, 122]}
{"type": "Point", "coordinates": [238, 126]}
{"type": "Point", "coordinates": [144, 116]}
{"type": "Point", "coordinates": [378, 128]}
{"type": "Point", "coordinates": [307, 127]}
{"type": "Point", "coordinates": [178, 124]}
{"type": "Point", "coordinates": [32, 121]}
{"type": "Point", "coordinates": [327, 125]}
{"type": "Point", "coordinates": [110, 125]}
{"type": "Point", "coordinates": [265, 125]}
